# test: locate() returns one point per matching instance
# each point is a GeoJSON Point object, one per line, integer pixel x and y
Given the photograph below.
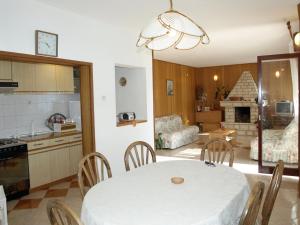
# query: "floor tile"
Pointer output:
{"type": "Point", "coordinates": [28, 204]}
{"type": "Point", "coordinates": [74, 184]}
{"type": "Point", "coordinates": [53, 193]}
{"type": "Point", "coordinates": [62, 185]}
{"type": "Point", "coordinates": [36, 194]}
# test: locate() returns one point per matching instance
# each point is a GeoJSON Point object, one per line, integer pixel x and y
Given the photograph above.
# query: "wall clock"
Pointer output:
{"type": "Point", "coordinates": [123, 81]}
{"type": "Point", "coordinates": [46, 43]}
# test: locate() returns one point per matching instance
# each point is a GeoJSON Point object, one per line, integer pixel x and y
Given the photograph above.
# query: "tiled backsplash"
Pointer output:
{"type": "Point", "coordinates": [19, 112]}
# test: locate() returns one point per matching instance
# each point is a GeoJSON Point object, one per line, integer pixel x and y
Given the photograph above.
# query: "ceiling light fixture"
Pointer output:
{"type": "Point", "coordinates": [172, 28]}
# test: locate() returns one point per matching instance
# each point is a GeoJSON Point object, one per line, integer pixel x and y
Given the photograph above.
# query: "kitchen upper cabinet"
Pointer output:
{"type": "Point", "coordinates": [45, 80]}
{"type": "Point", "coordinates": [39, 169]}
{"type": "Point", "coordinates": [64, 78]}
{"type": "Point", "coordinates": [25, 75]}
{"type": "Point", "coordinates": [5, 70]}
{"type": "Point", "coordinates": [75, 153]}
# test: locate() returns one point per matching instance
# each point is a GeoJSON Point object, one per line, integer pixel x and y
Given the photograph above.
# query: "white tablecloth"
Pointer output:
{"type": "Point", "coordinates": [146, 196]}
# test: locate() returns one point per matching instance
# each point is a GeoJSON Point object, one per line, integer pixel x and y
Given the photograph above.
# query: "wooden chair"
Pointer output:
{"type": "Point", "coordinates": [251, 209]}
{"type": "Point", "coordinates": [217, 149]}
{"type": "Point", "coordinates": [138, 158]}
{"type": "Point", "coordinates": [89, 168]}
{"type": "Point", "coordinates": [61, 214]}
{"type": "Point", "coordinates": [272, 193]}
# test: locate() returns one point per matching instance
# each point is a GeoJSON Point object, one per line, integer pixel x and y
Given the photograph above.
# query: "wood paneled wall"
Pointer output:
{"type": "Point", "coordinates": [187, 79]}
{"type": "Point", "coordinates": [277, 88]}
{"type": "Point", "coordinates": [228, 76]}
{"type": "Point", "coordinates": [183, 100]}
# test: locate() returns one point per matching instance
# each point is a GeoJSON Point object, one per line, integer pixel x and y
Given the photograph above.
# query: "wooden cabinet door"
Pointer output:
{"type": "Point", "coordinates": [5, 70]}
{"type": "Point", "coordinates": [45, 78]}
{"type": "Point", "coordinates": [64, 78]}
{"type": "Point", "coordinates": [39, 169]}
{"type": "Point", "coordinates": [59, 163]}
{"type": "Point", "coordinates": [75, 157]}
{"type": "Point", "coordinates": [25, 75]}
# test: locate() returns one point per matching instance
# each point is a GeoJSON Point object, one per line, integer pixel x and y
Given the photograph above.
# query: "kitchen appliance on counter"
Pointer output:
{"type": "Point", "coordinates": [59, 123]}
{"type": "Point", "coordinates": [127, 116]}
{"type": "Point", "coordinates": [14, 171]}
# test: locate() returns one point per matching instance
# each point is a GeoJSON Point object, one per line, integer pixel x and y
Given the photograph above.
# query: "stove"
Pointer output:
{"type": "Point", "coordinates": [14, 172]}
{"type": "Point", "coordinates": [8, 141]}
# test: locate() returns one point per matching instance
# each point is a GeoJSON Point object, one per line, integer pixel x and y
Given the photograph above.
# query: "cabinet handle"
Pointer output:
{"type": "Point", "coordinates": [38, 144]}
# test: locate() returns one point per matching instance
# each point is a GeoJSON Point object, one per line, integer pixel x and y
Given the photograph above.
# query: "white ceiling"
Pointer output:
{"type": "Point", "coordinates": [239, 30]}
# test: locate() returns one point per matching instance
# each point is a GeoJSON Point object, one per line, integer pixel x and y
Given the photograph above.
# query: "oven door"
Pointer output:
{"type": "Point", "coordinates": [14, 174]}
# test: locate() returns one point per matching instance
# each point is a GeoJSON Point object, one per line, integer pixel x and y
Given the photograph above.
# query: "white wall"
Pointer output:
{"type": "Point", "coordinates": [132, 97]}
{"type": "Point", "coordinates": [84, 39]}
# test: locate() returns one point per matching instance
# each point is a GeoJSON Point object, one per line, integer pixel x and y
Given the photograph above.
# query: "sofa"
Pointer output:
{"type": "Point", "coordinates": [173, 133]}
{"type": "Point", "coordinates": [278, 144]}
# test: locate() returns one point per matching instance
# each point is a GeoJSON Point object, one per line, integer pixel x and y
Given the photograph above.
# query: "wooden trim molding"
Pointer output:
{"type": "Point", "coordinates": [45, 186]}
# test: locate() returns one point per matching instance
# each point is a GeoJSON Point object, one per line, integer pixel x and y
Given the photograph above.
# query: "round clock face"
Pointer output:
{"type": "Point", "coordinates": [46, 43]}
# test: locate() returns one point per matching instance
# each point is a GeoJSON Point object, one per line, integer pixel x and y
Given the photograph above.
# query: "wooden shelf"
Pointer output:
{"type": "Point", "coordinates": [128, 123]}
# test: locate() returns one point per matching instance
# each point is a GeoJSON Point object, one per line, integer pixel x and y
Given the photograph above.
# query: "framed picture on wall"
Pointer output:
{"type": "Point", "coordinates": [170, 87]}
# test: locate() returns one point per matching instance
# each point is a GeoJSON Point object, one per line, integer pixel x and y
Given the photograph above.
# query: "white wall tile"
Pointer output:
{"type": "Point", "coordinates": [18, 111]}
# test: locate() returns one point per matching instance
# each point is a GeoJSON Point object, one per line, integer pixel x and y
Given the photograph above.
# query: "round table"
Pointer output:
{"type": "Point", "coordinates": [146, 196]}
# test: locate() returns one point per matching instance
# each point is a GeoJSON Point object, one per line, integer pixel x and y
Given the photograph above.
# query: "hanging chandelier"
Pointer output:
{"type": "Point", "coordinates": [172, 28]}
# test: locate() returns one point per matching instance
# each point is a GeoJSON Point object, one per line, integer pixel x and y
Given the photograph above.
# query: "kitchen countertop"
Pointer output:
{"type": "Point", "coordinates": [46, 136]}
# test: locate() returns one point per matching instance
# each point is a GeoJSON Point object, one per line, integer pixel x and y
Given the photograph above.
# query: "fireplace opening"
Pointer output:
{"type": "Point", "coordinates": [242, 114]}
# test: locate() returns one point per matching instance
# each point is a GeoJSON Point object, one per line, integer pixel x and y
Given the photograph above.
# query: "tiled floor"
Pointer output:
{"type": "Point", "coordinates": [31, 209]}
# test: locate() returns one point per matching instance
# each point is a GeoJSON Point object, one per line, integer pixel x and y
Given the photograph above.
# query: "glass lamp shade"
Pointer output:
{"type": "Point", "coordinates": [164, 42]}
{"type": "Point", "coordinates": [297, 39]}
{"type": "Point", "coordinates": [180, 22]}
{"type": "Point", "coordinates": [154, 30]}
{"type": "Point", "coordinates": [172, 28]}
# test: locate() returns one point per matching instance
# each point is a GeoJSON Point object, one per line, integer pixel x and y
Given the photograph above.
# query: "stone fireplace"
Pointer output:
{"type": "Point", "coordinates": [241, 115]}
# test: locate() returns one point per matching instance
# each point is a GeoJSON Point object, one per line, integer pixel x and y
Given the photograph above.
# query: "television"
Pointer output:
{"type": "Point", "coordinates": [284, 108]}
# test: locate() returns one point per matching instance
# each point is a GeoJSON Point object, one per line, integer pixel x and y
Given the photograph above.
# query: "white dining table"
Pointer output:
{"type": "Point", "coordinates": [146, 196]}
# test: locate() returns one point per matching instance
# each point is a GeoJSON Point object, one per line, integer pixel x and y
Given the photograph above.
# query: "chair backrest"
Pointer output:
{"type": "Point", "coordinates": [138, 154]}
{"type": "Point", "coordinates": [272, 192]}
{"type": "Point", "coordinates": [92, 170]}
{"type": "Point", "coordinates": [251, 209]}
{"type": "Point", "coordinates": [61, 214]}
{"type": "Point", "coordinates": [217, 150]}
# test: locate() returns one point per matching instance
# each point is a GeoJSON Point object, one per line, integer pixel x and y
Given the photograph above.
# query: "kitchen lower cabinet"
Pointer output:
{"type": "Point", "coordinates": [75, 153]}
{"type": "Point", "coordinates": [54, 159]}
{"type": "Point", "coordinates": [59, 164]}
{"type": "Point", "coordinates": [39, 169]}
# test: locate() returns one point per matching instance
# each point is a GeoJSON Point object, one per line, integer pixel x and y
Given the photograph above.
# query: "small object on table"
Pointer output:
{"type": "Point", "coordinates": [210, 164]}
{"type": "Point", "coordinates": [177, 180]}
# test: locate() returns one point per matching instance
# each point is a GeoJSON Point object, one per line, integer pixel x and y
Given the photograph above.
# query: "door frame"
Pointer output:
{"type": "Point", "coordinates": [269, 169]}
{"type": "Point", "coordinates": [86, 91]}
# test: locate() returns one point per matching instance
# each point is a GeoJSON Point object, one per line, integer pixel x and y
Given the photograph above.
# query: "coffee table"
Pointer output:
{"type": "Point", "coordinates": [228, 134]}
